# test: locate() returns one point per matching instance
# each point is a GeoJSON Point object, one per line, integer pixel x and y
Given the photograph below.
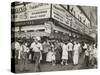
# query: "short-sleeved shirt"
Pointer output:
{"type": "Point", "coordinates": [17, 46]}
{"type": "Point", "coordinates": [70, 46]}
{"type": "Point", "coordinates": [36, 47]}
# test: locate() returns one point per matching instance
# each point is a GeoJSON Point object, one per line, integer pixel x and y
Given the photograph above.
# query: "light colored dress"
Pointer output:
{"type": "Point", "coordinates": [65, 52]}
{"type": "Point", "coordinates": [49, 56]}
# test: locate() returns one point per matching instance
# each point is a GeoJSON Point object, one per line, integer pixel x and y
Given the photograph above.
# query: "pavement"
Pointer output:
{"type": "Point", "coordinates": [49, 67]}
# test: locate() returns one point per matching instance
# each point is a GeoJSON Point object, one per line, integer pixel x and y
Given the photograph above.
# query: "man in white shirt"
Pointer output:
{"type": "Point", "coordinates": [70, 49]}
{"type": "Point", "coordinates": [76, 49]}
{"type": "Point", "coordinates": [37, 48]}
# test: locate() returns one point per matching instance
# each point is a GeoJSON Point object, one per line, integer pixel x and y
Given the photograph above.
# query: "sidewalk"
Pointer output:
{"type": "Point", "coordinates": [49, 67]}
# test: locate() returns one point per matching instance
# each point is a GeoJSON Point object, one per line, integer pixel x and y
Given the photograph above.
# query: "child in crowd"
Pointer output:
{"type": "Point", "coordinates": [51, 56]}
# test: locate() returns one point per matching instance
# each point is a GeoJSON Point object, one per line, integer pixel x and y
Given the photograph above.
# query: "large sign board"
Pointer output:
{"type": "Point", "coordinates": [33, 11]}
{"type": "Point", "coordinates": [86, 30]}
{"type": "Point", "coordinates": [77, 25]}
{"type": "Point", "coordinates": [60, 14]}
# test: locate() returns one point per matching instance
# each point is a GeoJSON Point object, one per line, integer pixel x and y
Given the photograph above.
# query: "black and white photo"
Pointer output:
{"type": "Point", "coordinates": [53, 37]}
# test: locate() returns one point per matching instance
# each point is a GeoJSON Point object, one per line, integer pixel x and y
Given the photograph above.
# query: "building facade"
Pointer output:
{"type": "Point", "coordinates": [55, 21]}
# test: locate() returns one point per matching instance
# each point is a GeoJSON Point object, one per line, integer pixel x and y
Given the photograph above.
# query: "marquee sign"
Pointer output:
{"type": "Point", "coordinates": [59, 14]}
{"type": "Point", "coordinates": [86, 30]}
{"type": "Point", "coordinates": [33, 11]}
{"type": "Point", "coordinates": [77, 25]}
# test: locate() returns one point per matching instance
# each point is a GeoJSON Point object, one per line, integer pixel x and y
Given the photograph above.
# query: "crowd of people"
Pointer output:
{"type": "Point", "coordinates": [53, 52]}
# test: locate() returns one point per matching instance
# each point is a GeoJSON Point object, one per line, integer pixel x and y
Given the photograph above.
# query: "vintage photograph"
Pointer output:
{"type": "Point", "coordinates": [53, 37]}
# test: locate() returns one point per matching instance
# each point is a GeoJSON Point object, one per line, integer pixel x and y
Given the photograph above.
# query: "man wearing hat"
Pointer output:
{"type": "Point", "coordinates": [37, 48]}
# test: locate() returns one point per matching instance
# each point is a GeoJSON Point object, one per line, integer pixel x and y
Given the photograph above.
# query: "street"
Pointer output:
{"type": "Point", "coordinates": [49, 67]}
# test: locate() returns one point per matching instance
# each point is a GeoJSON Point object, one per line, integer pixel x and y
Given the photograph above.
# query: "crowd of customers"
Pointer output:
{"type": "Point", "coordinates": [53, 52]}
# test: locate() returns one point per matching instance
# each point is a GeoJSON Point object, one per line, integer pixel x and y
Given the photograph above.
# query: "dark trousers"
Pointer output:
{"type": "Point", "coordinates": [86, 61]}
{"type": "Point", "coordinates": [37, 61]}
{"type": "Point", "coordinates": [58, 61]}
{"type": "Point", "coordinates": [32, 56]}
{"type": "Point", "coordinates": [70, 55]}
{"type": "Point", "coordinates": [44, 57]}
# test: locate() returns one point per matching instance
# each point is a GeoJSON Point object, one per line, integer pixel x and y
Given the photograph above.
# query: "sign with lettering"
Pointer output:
{"type": "Point", "coordinates": [77, 25]}
{"type": "Point", "coordinates": [33, 11]}
{"type": "Point", "coordinates": [60, 14]}
{"type": "Point", "coordinates": [86, 30]}
{"type": "Point", "coordinates": [39, 14]}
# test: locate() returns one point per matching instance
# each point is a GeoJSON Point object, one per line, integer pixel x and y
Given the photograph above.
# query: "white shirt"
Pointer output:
{"type": "Point", "coordinates": [70, 46]}
{"type": "Point", "coordinates": [36, 47]}
{"type": "Point", "coordinates": [17, 46]}
{"type": "Point", "coordinates": [76, 47]}
{"type": "Point", "coordinates": [85, 46]}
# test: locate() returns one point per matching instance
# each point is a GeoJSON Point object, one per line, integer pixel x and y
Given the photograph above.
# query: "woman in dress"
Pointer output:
{"type": "Point", "coordinates": [64, 54]}
{"type": "Point", "coordinates": [49, 55]}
